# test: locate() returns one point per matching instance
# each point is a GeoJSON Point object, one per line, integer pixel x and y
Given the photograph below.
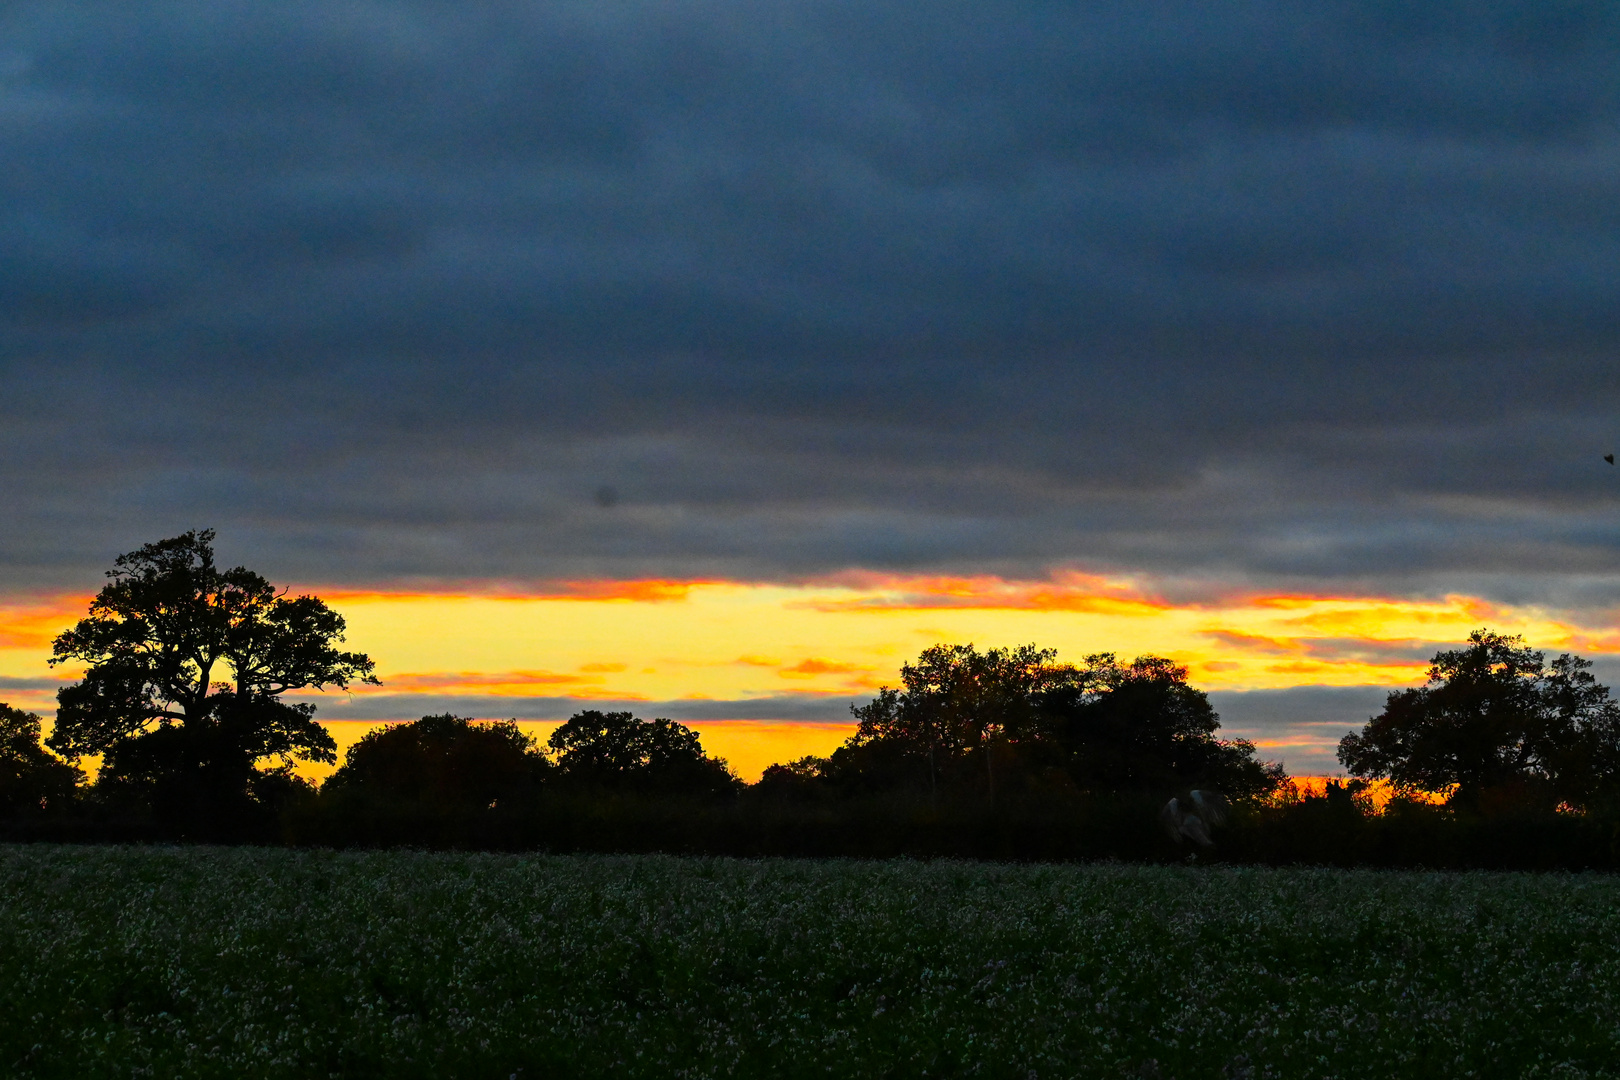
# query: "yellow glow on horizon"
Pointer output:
{"type": "Point", "coordinates": [839, 638]}
{"type": "Point", "coordinates": [731, 640]}
{"type": "Point", "coordinates": [1379, 792]}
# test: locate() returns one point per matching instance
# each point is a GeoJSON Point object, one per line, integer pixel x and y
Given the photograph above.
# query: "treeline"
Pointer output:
{"type": "Point", "coordinates": [1001, 753]}
{"type": "Point", "coordinates": [612, 782]}
{"type": "Point", "coordinates": [998, 753]}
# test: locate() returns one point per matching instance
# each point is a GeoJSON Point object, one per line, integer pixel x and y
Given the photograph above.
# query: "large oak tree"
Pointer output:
{"type": "Point", "coordinates": [186, 665]}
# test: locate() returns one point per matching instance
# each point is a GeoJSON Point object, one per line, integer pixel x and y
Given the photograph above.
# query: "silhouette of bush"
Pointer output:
{"type": "Point", "coordinates": [434, 781]}
{"type": "Point", "coordinates": [443, 761]}
{"type": "Point", "coordinates": [615, 751]}
{"type": "Point", "coordinates": [33, 781]}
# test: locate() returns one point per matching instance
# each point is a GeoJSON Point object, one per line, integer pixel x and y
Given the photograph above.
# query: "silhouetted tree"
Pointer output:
{"type": "Point", "coordinates": [1495, 721]}
{"type": "Point", "coordinates": [616, 750]}
{"type": "Point", "coordinates": [1142, 727]}
{"type": "Point", "coordinates": [798, 780]}
{"type": "Point", "coordinates": [956, 702]}
{"type": "Point", "coordinates": [32, 778]}
{"type": "Point", "coordinates": [1022, 717]}
{"type": "Point", "coordinates": [443, 762]}
{"type": "Point", "coordinates": [186, 667]}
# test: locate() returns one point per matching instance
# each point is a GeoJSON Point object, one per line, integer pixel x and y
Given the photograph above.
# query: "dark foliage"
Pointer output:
{"type": "Point", "coordinates": [438, 781]}
{"type": "Point", "coordinates": [442, 763]}
{"type": "Point", "coordinates": [1508, 730]}
{"type": "Point", "coordinates": [1010, 721]}
{"type": "Point", "coordinates": [952, 722]}
{"type": "Point", "coordinates": [190, 782]}
{"type": "Point", "coordinates": [1141, 727]}
{"type": "Point", "coordinates": [186, 667]}
{"type": "Point", "coordinates": [32, 779]}
{"type": "Point", "coordinates": [1052, 826]}
{"type": "Point", "coordinates": [799, 780]}
{"type": "Point", "coordinates": [1340, 831]}
{"type": "Point", "coordinates": [615, 751]}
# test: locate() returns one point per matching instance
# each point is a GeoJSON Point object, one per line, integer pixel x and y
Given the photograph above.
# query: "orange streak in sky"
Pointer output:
{"type": "Point", "coordinates": [25, 625]}
{"type": "Point", "coordinates": [1589, 642]}
{"type": "Point", "coordinates": [1373, 609]}
{"type": "Point", "coordinates": [662, 639]}
{"type": "Point", "coordinates": [496, 683]}
{"type": "Point", "coordinates": [1257, 642]}
{"type": "Point", "coordinates": [1403, 671]}
{"type": "Point", "coordinates": [818, 666]}
{"type": "Point", "coordinates": [435, 679]}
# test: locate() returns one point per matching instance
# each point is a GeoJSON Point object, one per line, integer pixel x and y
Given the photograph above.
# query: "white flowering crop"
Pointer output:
{"type": "Point", "coordinates": [199, 962]}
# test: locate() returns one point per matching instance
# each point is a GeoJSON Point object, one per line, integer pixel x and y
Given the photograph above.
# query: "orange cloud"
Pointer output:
{"type": "Point", "coordinates": [1580, 641]}
{"type": "Point", "coordinates": [1254, 642]}
{"type": "Point", "coordinates": [1337, 649]}
{"type": "Point", "coordinates": [495, 683]}
{"type": "Point", "coordinates": [34, 625]}
{"type": "Point", "coordinates": [1362, 671]}
{"type": "Point", "coordinates": [810, 668]}
{"type": "Point", "coordinates": [1359, 617]}
{"type": "Point", "coordinates": [641, 592]}
{"type": "Point", "coordinates": [607, 668]}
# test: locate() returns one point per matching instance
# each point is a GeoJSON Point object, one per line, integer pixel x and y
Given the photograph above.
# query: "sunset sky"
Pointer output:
{"type": "Point", "coordinates": [711, 359]}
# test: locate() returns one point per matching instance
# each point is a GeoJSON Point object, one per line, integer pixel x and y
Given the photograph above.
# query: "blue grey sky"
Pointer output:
{"type": "Point", "coordinates": [1314, 296]}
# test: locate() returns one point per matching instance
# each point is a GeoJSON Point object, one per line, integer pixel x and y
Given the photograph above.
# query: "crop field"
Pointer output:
{"type": "Point", "coordinates": [205, 962]}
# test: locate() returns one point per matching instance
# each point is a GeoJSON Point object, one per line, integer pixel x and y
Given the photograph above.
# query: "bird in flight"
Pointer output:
{"type": "Point", "coordinates": [1609, 458]}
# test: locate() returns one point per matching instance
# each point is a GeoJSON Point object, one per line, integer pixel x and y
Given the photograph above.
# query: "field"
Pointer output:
{"type": "Point", "coordinates": [204, 962]}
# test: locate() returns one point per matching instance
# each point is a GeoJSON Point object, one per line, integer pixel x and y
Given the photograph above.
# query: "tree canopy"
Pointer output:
{"type": "Point", "coordinates": [185, 667]}
{"type": "Point", "coordinates": [1496, 723]}
{"type": "Point", "coordinates": [618, 750]}
{"type": "Point", "coordinates": [957, 700]}
{"type": "Point", "coordinates": [444, 761]}
{"type": "Point", "coordinates": [1142, 726]}
{"type": "Point", "coordinates": [1017, 717]}
{"type": "Point", "coordinates": [31, 777]}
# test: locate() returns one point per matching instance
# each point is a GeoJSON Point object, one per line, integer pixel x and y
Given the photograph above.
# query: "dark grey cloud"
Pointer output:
{"type": "Point", "coordinates": [1294, 295]}
{"type": "Point", "coordinates": [1300, 726]}
{"type": "Point", "coordinates": [10, 682]}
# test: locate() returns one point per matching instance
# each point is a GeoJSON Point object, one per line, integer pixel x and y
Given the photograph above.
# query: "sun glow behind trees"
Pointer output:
{"type": "Point", "coordinates": [775, 665]}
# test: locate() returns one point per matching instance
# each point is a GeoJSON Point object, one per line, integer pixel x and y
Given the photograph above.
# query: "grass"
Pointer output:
{"type": "Point", "coordinates": [200, 962]}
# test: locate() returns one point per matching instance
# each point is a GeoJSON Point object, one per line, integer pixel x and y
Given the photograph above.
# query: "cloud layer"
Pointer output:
{"type": "Point", "coordinates": [1312, 295]}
